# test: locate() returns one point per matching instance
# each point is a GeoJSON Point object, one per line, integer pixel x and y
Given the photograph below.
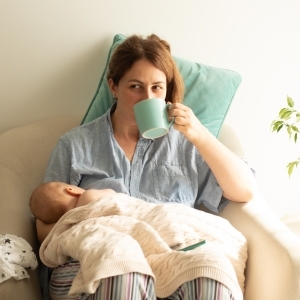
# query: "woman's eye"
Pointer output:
{"type": "Point", "coordinates": [135, 86]}
{"type": "Point", "coordinates": [157, 87]}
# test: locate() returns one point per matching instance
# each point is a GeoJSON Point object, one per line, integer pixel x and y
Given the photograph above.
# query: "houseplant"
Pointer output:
{"type": "Point", "coordinates": [288, 118]}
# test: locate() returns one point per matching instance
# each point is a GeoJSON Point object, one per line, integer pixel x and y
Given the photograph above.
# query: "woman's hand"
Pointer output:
{"type": "Point", "coordinates": [187, 123]}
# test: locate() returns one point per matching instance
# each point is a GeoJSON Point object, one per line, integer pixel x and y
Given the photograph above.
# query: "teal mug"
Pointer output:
{"type": "Point", "coordinates": [152, 118]}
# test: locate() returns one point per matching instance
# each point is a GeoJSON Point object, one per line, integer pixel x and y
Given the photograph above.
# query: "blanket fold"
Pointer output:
{"type": "Point", "coordinates": [118, 234]}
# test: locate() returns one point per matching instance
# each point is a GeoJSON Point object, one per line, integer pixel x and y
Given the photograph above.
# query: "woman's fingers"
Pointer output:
{"type": "Point", "coordinates": [178, 110]}
{"type": "Point", "coordinates": [180, 113]}
{"type": "Point", "coordinates": [185, 121]}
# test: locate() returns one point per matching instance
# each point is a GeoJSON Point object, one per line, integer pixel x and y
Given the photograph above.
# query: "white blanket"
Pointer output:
{"type": "Point", "coordinates": [118, 234]}
{"type": "Point", "coordinates": [16, 257]}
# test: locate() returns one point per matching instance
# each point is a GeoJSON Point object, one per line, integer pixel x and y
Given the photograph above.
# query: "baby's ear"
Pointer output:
{"type": "Point", "coordinates": [74, 191]}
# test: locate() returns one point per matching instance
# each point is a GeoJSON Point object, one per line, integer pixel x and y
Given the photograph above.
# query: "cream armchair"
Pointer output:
{"type": "Point", "coordinates": [273, 267]}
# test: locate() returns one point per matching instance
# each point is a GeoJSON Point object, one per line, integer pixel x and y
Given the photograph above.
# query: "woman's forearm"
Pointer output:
{"type": "Point", "coordinates": [232, 173]}
{"type": "Point", "coordinates": [43, 230]}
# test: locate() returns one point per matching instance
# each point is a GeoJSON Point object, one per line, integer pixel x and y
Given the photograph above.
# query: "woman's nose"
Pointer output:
{"type": "Point", "coordinates": [148, 94]}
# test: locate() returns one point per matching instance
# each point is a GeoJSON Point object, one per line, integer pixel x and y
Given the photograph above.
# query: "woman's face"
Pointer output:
{"type": "Point", "coordinates": [142, 81]}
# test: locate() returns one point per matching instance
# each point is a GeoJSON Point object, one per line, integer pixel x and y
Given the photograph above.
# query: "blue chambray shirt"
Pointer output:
{"type": "Point", "coordinates": [163, 170]}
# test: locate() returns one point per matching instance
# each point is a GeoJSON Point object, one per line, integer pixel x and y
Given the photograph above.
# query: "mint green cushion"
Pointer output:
{"type": "Point", "coordinates": [208, 91]}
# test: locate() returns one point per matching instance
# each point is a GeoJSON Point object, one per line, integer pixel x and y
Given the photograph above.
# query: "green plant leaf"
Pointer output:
{"type": "Point", "coordinates": [282, 112]}
{"type": "Point", "coordinates": [291, 167]}
{"type": "Point", "coordinates": [295, 137]}
{"type": "Point", "coordinates": [290, 101]}
{"type": "Point", "coordinates": [279, 127]}
{"type": "Point", "coordinates": [275, 124]}
{"type": "Point", "coordinates": [286, 115]}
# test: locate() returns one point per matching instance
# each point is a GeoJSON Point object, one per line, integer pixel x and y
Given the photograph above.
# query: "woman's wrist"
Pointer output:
{"type": "Point", "coordinates": [201, 137]}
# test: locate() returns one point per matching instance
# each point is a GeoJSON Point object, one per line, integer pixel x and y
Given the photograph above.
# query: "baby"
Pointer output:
{"type": "Point", "coordinates": [51, 200]}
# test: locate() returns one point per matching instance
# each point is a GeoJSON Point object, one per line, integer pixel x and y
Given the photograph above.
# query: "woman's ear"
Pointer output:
{"type": "Point", "coordinates": [74, 191]}
{"type": "Point", "coordinates": [112, 87]}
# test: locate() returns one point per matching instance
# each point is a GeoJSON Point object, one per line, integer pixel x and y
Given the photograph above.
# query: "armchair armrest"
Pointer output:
{"type": "Point", "coordinates": [24, 153]}
{"type": "Point", "coordinates": [273, 266]}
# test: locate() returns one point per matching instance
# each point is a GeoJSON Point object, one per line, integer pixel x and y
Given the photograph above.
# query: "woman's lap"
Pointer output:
{"type": "Point", "coordinates": [133, 286]}
{"type": "Point", "coordinates": [129, 286]}
{"type": "Point", "coordinates": [202, 288]}
{"type": "Point", "coordinates": [61, 281]}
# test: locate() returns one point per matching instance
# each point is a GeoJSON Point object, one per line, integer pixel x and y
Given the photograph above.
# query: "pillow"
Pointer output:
{"type": "Point", "coordinates": [208, 91]}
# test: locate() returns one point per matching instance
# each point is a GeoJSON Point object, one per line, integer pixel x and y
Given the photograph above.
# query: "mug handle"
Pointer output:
{"type": "Point", "coordinates": [172, 121]}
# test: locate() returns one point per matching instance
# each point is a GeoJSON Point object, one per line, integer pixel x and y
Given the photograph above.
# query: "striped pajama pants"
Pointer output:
{"type": "Point", "coordinates": [133, 286]}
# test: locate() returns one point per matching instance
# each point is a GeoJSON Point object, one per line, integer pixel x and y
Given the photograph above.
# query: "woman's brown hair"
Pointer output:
{"type": "Point", "coordinates": [156, 51]}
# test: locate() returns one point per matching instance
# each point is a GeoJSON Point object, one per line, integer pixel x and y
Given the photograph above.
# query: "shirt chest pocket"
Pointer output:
{"type": "Point", "coordinates": [172, 184]}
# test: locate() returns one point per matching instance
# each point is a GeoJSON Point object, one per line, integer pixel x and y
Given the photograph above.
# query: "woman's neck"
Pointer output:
{"type": "Point", "coordinates": [124, 128]}
{"type": "Point", "coordinates": [126, 134]}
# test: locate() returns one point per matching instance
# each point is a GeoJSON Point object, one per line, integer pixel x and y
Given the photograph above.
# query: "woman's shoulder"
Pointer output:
{"type": "Point", "coordinates": [88, 130]}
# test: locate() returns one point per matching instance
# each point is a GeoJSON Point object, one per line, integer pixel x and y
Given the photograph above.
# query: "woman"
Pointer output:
{"type": "Point", "coordinates": [188, 165]}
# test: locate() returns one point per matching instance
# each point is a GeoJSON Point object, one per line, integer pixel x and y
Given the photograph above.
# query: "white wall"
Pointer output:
{"type": "Point", "coordinates": [53, 52]}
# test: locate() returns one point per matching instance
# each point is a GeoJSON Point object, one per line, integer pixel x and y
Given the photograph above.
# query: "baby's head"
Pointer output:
{"type": "Point", "coordinates": [51, 200]}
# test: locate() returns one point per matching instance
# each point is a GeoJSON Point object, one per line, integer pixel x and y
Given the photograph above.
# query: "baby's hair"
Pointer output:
{"type": "Point", "coordinates": [45, 202]}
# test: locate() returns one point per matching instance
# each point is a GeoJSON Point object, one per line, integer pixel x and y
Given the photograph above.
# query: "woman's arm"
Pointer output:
{"type": "Point", "coordinates": [60, 162]}
{"type": "Point", "coordinates": [232, 173]}
{"type": "Point", "coordinates": [43, 229]}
